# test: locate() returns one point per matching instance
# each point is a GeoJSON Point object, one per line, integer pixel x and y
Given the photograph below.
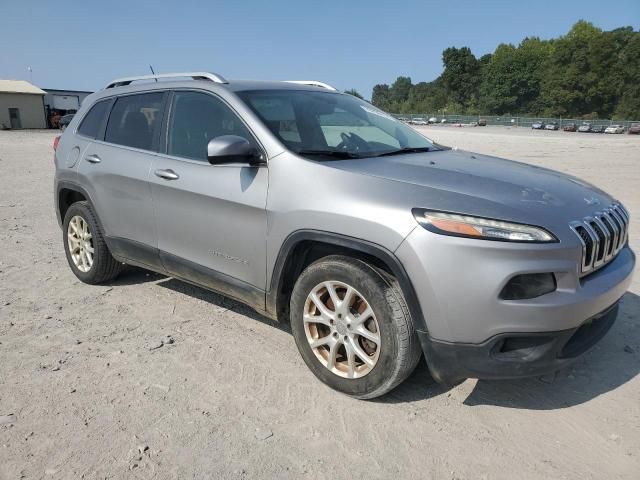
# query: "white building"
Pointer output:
{"type": "Point", "coordinates": [63, 101]}
{"type": "Point", "coordinates": [21, 105]}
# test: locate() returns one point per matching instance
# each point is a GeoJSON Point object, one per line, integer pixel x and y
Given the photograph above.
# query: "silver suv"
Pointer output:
{"type": "Point", "coordinates": [318, 209]}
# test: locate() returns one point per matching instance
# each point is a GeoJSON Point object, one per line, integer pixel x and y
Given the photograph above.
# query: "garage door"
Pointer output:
{"type": "Point", "coordinates": [66, 102]}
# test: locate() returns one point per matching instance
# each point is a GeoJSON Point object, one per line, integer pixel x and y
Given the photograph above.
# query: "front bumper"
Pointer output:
{"type": "Point", "coordinates": [514, 355]}
{"type": "Point", "coordinates": [467, 331]}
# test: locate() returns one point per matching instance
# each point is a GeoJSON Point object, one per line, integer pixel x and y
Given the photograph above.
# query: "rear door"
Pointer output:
{"type": "Point", "coordinates": [116, 167]}
{"type": "Point", "coordinates": [211, 219]}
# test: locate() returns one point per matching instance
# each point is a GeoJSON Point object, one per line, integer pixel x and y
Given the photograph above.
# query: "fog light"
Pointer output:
{"type": "Point", "coordinates": [529, 285]}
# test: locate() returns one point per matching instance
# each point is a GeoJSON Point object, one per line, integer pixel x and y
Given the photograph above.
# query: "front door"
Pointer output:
{"type": "Point", "coordinates": [14, 118]}
{"type": "Point", "coordinates": [211, 219]}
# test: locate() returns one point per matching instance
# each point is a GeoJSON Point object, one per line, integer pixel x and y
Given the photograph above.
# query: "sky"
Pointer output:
{"type": "Point", "coordinates": [82, 45]}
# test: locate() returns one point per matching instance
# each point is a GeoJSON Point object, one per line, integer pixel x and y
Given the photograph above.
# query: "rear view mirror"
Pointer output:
{"type": "Point", "coordinates": [232, 149]}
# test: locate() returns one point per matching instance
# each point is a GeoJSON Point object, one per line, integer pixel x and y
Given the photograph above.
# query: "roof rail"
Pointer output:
{"type": "Point", "coordinates": [214, 77]}
{"type": "Point", "coordinates": [313, 83]}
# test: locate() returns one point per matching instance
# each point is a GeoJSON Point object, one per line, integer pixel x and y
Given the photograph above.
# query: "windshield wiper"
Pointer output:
{"type": "Point", "coordinates": [329, 153]}
{"type": "Point", "coordinates": [404, 150]}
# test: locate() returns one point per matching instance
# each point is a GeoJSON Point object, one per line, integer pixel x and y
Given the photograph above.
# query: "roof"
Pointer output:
{"type": "Point", "coordinates": [19, 86]}
{"type": "Point", "coordinates": [57, 90]}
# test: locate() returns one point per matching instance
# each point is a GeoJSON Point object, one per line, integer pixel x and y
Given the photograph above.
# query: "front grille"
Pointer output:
{"type": "Point", "coordinates": [602, 236]}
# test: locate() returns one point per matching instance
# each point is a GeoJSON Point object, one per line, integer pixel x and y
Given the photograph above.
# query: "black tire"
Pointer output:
{"type": "Point", "coordinates": [104, 267]}
{"type": "Point", "coordinates": [400, 349]}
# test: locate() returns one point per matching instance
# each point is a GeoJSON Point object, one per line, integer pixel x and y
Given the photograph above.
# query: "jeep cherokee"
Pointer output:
{"type": "Point", "coordinates": [314, 207]}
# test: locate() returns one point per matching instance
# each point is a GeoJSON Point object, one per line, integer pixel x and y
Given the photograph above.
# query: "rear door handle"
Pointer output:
{"type": "Point", "coordinates": [93, 159]}
{"type": "Point", "coordinates": [167, 174]}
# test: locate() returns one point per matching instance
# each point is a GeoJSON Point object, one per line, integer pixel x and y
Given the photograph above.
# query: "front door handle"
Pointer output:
{"type": "Point", "coordinates": [167, 174]}
{"type": "Point", "coordinates": [93, 159]}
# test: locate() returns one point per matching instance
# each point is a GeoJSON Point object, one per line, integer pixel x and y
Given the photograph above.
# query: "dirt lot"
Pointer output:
{"type": "Point", "coordinates": [96, 394]}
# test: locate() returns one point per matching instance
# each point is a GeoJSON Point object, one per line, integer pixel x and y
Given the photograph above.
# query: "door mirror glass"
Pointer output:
{"type": "Point", "coordinates": [232, 149]}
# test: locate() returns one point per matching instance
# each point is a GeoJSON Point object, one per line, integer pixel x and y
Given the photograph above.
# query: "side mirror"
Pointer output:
{"type": "Point", "coordinates": [232, 149]}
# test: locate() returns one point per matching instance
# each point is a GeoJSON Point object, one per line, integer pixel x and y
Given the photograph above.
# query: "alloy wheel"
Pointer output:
{"type": "Point", "coordinates": [80, 243]}
{"type": "Point", "coordinates": [342, 329]}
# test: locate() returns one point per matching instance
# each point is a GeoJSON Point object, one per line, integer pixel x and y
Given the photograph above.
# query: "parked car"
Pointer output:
{"type": "Point", "coordinates": [552, 126]}
{"type": "Point", "coordinates": [585, 128]}
{"type": "Point", "coordinates": [597, 129]}
{"type": "Point", "coordinates": [433, 120]}
{"type": "Point", "coordinates": [634, 129]}
{"type": "Point", "coordinates": [570, 127]}
{"type": "Point", "coordinates": [614, 129]}
{"type": "Point", "coordinates": [65, 120]}
{"type": "Point", "coordinates": [404, 119]}
{"type": "Point", "coordinates": [369, 269]}
{"type": "Point", "coordinates": [444, 120]}
{"type": "Point", "coordinates": [419, 121]}
{"type": "Point", "coordinates": [538, 125]}
{"type": "Point", "coordinates": [482, 122]}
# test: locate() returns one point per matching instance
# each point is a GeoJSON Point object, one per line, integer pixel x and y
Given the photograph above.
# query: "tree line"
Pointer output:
{"type": "Point", "coordinates": [588, 73]}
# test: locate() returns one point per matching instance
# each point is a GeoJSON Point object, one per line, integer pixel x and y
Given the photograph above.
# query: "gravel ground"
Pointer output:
{"type": "Point", "coordinates": [153, 378]}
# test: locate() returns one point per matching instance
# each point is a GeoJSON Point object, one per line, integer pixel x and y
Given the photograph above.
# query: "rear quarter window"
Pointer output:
{"type": "Point", "coordinates": [93, 120]}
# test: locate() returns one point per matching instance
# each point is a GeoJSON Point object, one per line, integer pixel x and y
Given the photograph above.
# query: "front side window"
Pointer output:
{"type": "Point", "coordinates": [92, 122]}
{"type": "Point", "coordinates": [196, 118]}
{"type": "Point", "coordinates": [135, 120]}
{"type": "Point", "coordinates": [310, 122]}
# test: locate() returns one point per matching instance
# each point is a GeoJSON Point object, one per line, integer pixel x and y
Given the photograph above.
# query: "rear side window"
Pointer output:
{"type": "Point", "coordinates": [135, 120]}
{"type": "Point", "coordinates": [92, 122]}
{"type": "Point", "coordinates": [197, 118]}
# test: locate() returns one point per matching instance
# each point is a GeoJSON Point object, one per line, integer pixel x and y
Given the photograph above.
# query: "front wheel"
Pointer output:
{"type": "Point", "coordinates": [352, 327]}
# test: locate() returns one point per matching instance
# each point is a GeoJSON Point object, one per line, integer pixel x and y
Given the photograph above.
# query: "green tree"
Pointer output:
{"type": "Point", "coordinates": [381, 97]}
{"type": "Point", "coordinates": [461, 76]}
{"type": "Point", "coordinates": [400, 91]}
{"type": "Point", "coordinates": [511, 79]}
{"type": "Point", "coordinates": [354, 92]}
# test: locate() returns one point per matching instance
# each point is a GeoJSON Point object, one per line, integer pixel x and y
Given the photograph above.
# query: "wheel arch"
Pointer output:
{"type": "Point", "coordinates": [303, 247]}
{"type": "Point", "coordinates": [68, 193]}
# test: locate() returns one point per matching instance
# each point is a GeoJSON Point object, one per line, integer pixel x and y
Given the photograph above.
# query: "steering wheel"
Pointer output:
{"type": "Point", "coordinates": [352, 140]}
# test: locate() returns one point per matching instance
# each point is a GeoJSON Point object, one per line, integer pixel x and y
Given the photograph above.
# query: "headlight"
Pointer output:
{"type": "Point", "coordinates": [483, 228]}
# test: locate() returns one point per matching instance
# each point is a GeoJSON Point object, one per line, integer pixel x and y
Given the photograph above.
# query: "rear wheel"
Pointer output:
{"type": "Point", "coordinates": [85, 248]}
{"type": "Point", "coordinates": [352, 327]}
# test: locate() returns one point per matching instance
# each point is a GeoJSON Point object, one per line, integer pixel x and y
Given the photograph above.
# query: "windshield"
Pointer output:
{"type": "Point", "coordinates": [324, 123]}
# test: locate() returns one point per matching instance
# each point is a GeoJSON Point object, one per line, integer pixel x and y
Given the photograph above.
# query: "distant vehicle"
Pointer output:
{"type": "Point", "coordinates": [538, 125]}
{"type": "Point", "coordinates": [597, 129]}
{"type": "Point", "coordinates": [585, 128]}
{"type": "Point", "coordinates": [570, 127]}
{"type": "Point", "coordinates": [482, 122]}
{"type": "Point", "coordinates": [65, 121]}
{"type": "Point", "coordinates": [614, 129]}
{"type": "Point", "coordinates": [433, 120]}
{"type": "Point", "coordinates": [404, 119]}
{"type": "Point", "coordinates": [634, 129]}
{"type": "Point", "coordinates": [552, 126]}
{"type": "Point", "coordinates": [419, 121]}
{"type": "Point", "coordinates": [444, 120]}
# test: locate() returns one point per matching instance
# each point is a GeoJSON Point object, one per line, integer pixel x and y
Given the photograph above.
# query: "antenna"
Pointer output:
{"type": "Point", "coordinates": [154, 73]}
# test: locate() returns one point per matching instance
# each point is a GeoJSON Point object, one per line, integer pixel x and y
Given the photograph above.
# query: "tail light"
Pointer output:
{"type": "Point", "coordinates": [55, 143]}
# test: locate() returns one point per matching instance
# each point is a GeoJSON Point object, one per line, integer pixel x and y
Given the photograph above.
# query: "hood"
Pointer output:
{"type": "Point", "coordinates": [475, 184]}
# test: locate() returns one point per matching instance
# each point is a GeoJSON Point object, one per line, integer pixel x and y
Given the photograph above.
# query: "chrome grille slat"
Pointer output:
{"type": "Point", "coordinates": [620, 225]}
{"type": "Point", "coordinates": [596, 242]}
{"type": "Point", "coordinates": [614, 231]}
{"type": "Point", "coordinates": [607, 238]}
{"type": "Point", "coordinates": [602, 236]}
